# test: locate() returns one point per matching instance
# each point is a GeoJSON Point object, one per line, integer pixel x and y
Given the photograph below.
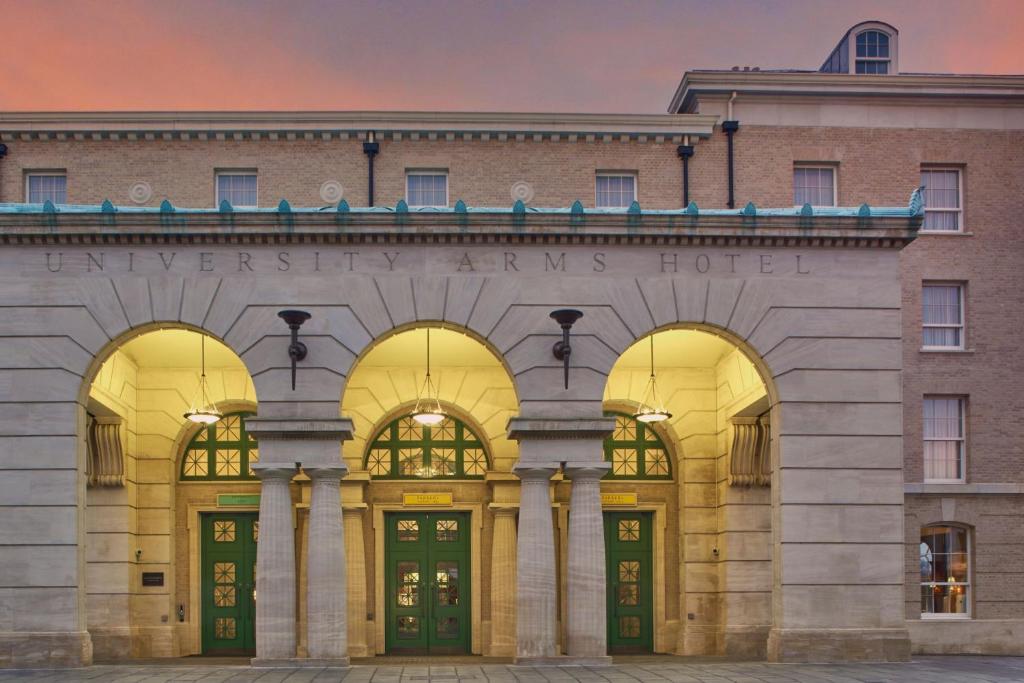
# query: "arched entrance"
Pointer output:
{"type": "Point", "coordinates": [155, 481]}
{"type": "Point", "coordinates": [687, 500]}
{"type": "Point", "coordinates": [433, 504]}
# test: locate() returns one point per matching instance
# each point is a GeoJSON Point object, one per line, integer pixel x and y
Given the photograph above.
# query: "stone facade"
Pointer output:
{"type": "Point", "coordinates": [810, 323]}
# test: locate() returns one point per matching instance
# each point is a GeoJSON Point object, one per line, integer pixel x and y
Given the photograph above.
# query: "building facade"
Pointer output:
{"type": "Point", "coordinates": [812, 277]}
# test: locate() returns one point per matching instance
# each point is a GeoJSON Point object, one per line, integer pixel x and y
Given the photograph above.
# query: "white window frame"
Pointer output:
{"type": "Point", "coordinates": [876, 60]}
{"type": "Point", "coordinates": [616, 174]}
{"type": "Point", "coordinates": [968, 585]}
{"type": "Point", "coordinates": [235, 172]}
{"type": "Point", "coordinates": [962, 326]}
{"type": "Point", "coordinates": [960, 202]}
{"type": "Point", "coordinates": [819, 167]}
{"type": "Point", "coordinates": [962, 402]}
{"type": "Point", "coordinates": [45, 174]}
{"type": "Point", "coordinates": [428, 172]}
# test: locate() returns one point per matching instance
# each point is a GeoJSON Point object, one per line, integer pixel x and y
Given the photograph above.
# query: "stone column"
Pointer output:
{"type": "Point", "coordinates": [275, 567]}
{"type": "Point", "coordinates": [326, 618]}
{"type": "Point", "coordinates": [503, 575]}
{"type": "Point", "coordinates": [355, 562]}
{"type": "Point", "coordinates": [536, 607]}
{"type": "Point", "coordinates": [587, 584]}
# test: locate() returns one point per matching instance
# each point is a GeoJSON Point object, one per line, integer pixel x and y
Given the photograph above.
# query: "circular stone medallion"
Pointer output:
{"type": "Point", "coordinates": [331, 191]}
{"type": "Point", "coordinates": [523, 191]}
{"type": "Point", "coordinates": [140, 192]}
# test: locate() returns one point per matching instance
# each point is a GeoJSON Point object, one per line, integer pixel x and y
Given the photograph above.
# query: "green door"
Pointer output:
{"type": "Point", "coordinates": [427, 558]}
{"type": "Point", "coordinates": [629, 560]}
{"type": "Point", "coordinates": [228, 557]}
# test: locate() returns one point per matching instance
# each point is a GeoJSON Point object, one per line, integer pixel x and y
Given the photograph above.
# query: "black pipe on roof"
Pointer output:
{"type": "Point", "coordinates": [370, 149]}
{"type": "Point", "coordinates": [685, 152]}
{"type": "Point", "coordinates": [730, 127]}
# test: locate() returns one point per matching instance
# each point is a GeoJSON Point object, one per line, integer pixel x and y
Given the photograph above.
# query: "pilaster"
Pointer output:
{"type": "Point", "coordinates": [503, 575]}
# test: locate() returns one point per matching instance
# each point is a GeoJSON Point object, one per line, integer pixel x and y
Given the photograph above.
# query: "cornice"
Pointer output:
{"type": "Point", "coordinates": [647, 230]}
{"type": "Point", "coordinates": [940, 87]}
{"type": "Point", "coordinates": [327, 125]}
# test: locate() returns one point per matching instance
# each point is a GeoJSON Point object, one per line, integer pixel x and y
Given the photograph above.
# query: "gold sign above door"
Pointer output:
{"type": "Point", "coordinates": [619, 499]}
{"type": "Point", "coordinates": [427, 499]}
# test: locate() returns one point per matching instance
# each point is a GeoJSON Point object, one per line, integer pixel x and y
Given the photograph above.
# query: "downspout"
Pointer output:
{"type": "Point", "coordinates": [685, 151]}
{"type": "Point", "coordinates": [730, 126]}
{"type": "Point", "coordinates": [3, 153]}
{"type": "Point", "coordinates": [370, 148]}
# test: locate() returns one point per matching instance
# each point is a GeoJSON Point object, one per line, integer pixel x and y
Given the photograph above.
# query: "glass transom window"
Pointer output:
{"type": "Point", "coordinates": [945, 571]}
{"type": "Point", "coordinates": [942, 208]}
{"type": "Point", "coordinates": [239, 189]}
{"type": "Point", "coordinates": [615, 191]}
{"type": "Point", "coordinates": [405, 449]}
{"type": "Point", "coordinates": [426, 189]}
{"type": "Point", "coordinates": [942, 316]}
{"type": "Point", "coordinates": [872, 52]}
{"type": "Point", "coordinates": [814, 185]}
{"type": "Point", "coordinates": [636, 451]}
{"type": "Point", "coordinates": [223, 450]}
{"type": "Point", "coordinates": [42, 187]}
{"type": "Point", "coordinates": [943, 439]}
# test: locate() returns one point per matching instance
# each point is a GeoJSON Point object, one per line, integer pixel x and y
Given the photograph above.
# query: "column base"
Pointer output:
{"type": "Point", "coordinates": [45, 650]}
{"type": "Point", "coordinates": [300, 663]}
{"type": "Point", "coordinates": [562, 661]}
{"type": "Point", "coordinates": [839, 645]}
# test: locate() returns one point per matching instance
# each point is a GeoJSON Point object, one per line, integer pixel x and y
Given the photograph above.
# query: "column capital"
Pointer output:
{"type": "Point", "coordinates": [274, 472]}
{"type": "Point", "coordinates": [501, 510]}
{"type": "Point", "coordinates": [327, 472]}
{"type": "Point", "coordinates": [520, 428]}
{"type": "Point", "coordinates": [300, 428]}
{"type": "Point", "coordinates": [534, 472]}
{"type": "Point", "coordinates": [589, 472]}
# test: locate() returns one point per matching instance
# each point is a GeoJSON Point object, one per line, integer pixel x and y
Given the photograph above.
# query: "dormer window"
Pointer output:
{"type": "Point", "coordinates": [872, 52]}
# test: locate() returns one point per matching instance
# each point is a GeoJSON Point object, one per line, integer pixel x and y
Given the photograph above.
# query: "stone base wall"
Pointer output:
{"type": "Point", "coordinates": [839, 645]}
{"type": "Point", "coordinates": [44, 650]}
{"type": "Point", "coordinates": [967, 637]}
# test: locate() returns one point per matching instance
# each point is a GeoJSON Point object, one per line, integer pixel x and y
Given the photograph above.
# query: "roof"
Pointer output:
{"type": "Point", "coordinates": [816, 83]}
{"type": "Point", "coordinates": [343, 124]}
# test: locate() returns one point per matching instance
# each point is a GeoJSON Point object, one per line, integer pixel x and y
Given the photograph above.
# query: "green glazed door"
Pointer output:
{"type": "Point", "coordinates": [228, 557]}
{"type": "Point", "coordinates": [629, 556]}
{"type": "Point", "coordinates": [427, 558]}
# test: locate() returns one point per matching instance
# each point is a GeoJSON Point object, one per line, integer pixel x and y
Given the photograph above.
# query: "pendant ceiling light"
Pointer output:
{"type": "Point", "coordinates": [428, 405]}
{"type": "Point", "coordinates": [651, 407]}
{"type": "Point", "coordinates": [202, 410]}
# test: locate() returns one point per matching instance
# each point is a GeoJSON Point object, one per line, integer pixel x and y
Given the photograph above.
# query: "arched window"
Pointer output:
{"type": "Point", "coordinates": [405, 449]}
{"type": "Point", "coordinates": [872, 52]}
{"type": "Point", "coordinates": [223, 450]}
{"type": "Point", "coordinates": [636, 451]}
{"type": "Point", "coordinates": [945, 571]}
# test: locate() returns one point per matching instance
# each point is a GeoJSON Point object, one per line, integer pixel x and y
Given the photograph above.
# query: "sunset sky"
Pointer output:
{"type": "Point", "coordinates": [554, 55]}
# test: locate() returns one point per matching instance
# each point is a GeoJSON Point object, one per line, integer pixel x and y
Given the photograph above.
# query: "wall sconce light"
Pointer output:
{"type": "Point", "coordinates": [562, 350]}
{"type": "Point", "coordinates": [296, 349]}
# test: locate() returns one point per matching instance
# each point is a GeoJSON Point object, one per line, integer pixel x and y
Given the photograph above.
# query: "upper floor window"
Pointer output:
{"type": "Point", "coordinates": [942, 205]}
{"type": "Point", "coordinates": [814, 185]}
{"type": "Point", "coordinates": [872, 52]}
{"type": "Point", "coordinates": [943, 430]}
{"type": "Point", "coordinates": [237, 187]}
{"type": "Point", "coordinates": [222, 450]}
{"type": "Point", "coordinates": [945, 571]}
{"type": "Point", "coordinates": [52, 186]}
{"type": "Point", "coordinates": [405, 449]}
{"type": "Point", "coordinates": [615, 191]}
{"type": "Point", "coordinates": [636, 451]}
{"type": "Point", "coordinates": [427, 188]}
{"type": "Point", "coordinates": [942, 316]}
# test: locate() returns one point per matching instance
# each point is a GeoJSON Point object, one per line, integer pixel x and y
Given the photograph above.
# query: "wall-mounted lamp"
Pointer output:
{"type": "Point", "coordinates": [562, 350]}
{"type": "Point", "coordinates": [296, 349]}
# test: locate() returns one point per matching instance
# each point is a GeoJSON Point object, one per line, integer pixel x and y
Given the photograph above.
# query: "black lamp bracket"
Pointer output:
{"type": "Point", "coordinates": [296, 350]}
{"type": "Point", "coordinates": [562, 349]}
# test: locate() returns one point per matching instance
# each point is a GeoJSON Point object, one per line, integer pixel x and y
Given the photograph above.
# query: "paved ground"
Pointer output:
{"type": "Point", "coordinates": [648, 670]}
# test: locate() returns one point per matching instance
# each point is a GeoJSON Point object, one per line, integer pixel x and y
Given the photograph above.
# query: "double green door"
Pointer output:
{"type": "Point", "coordinates": [228, 557]}
{"type": "Point", "coordinates": [629, 557]}
{"type": "Point", "coordinates": [427, 558]}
